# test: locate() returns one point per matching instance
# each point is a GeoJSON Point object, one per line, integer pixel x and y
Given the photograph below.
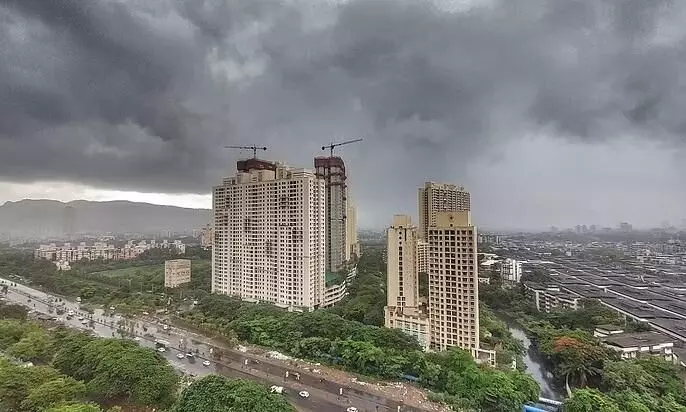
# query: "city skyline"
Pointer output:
{"type": "Point", "coordinates": [532, 117]}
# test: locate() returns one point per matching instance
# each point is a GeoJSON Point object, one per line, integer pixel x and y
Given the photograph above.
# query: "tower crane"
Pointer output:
{"type": "Point", "coordinates": [253, 148]}
{"type": "Point", "coordinates": [334, 145]}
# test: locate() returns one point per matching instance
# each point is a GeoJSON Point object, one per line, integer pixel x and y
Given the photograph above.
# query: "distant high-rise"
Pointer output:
{"type": "Point", "coordinates": [332, 171]}
{"type": "Point", "coordinates": [69, 222]}
{"type": "Point", "coordinates": [352, 243]}
{"type": "Point", "coordinates": [269, 235]}
{"type": "Point", "coordinates": [453, 282]}
{"type": "Point", "coordinates": [440, 197]}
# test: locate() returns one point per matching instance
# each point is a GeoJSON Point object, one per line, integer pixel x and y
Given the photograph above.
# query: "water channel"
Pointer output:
{"type": "Point", "coordinates": [534, 364]}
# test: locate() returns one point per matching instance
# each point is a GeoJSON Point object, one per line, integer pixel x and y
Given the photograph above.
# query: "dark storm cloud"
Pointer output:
{"type": "Point", "coordinates": [143, 94]}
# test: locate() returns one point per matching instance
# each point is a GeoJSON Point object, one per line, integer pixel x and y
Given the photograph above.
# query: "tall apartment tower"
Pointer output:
{"type": "Point", "coordinates": [453, 281]}
{"type": "Point", "coordinates": [332, 171]}
{"type": "Point", "coordinates": [403, 282]}
{"type": "Point", "coordinates": [440, 197]}
{"type": "Point", "coordinates": [269, 240]}
{"type": "Point", "coordinates": [352, 243]}
{"type": "Point", "coordinates": [402, 309]}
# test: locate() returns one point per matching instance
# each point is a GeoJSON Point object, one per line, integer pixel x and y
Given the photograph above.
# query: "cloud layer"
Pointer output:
{"type": "Point", "coordinates": [141, 95]}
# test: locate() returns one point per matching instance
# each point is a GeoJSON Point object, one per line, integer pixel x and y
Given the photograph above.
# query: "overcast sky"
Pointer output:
{"type": "Point", "coordinates": [550, 112]}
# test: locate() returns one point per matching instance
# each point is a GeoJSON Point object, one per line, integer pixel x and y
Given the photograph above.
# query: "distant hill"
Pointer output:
{"type": "Point", "coordinates": [53, 218]}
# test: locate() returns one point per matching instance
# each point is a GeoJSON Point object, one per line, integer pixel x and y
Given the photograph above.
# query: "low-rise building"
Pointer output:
{"type": "Point", "coordinates": [335, 292]}
{"type": "Point", "coordinates": [602, 331]}
{"type": "Point", "coordinates": [69, 253]}
{"type": "Point", "coordinates": [511, 270]}
{"type": "Point", "coordinates": [177, 272]}
{"type": "Point", "coordinates": [412, 320]}
{"type": "Point", "coordinates": [548, 298]}
{"type": "Point", "coordinates": [633, 345]}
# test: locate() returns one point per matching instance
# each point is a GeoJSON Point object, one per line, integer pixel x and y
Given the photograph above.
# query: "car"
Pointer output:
{"type": "Point", "coordinates": [161, 349]}
{"type": "Point", "coordinates": [189, 355]}
{"type": "Point", "coordinates": [80, 318]}
{"type": "Point", "coordinates": [206, 363]}
{"type": "Point", "coordinates": [304, 394]}
{"type": "Point", "coordinates": [111, 307]}
{"type": "Point", "coordinates": [351, 409]}
{"type": "Point", "coordinates": [137, 338]}
{"type": "Point", "coordinates": [180, 355]}
{"type": "Point", "coordinates": [84, 322]}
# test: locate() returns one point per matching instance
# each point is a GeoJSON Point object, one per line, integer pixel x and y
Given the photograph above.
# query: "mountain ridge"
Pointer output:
{"type": "Point", "coordinates": [53, 218]}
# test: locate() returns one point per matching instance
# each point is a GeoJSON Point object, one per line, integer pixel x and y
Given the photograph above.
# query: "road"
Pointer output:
{"type": "Point", "coordinates": [324, 395]}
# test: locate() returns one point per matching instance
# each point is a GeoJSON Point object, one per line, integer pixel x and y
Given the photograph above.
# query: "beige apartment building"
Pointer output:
{"type": "Point", "coordinates": [444, 246]}
{"type": "Point", "coordinates": [177, 272]}
{"type": "Point", "coordinates": [453, 282]}
{"type": "Point", "coordinates": [440, 197]}
{"type": "Point", "coordinates": [270, 235]}
{"type": "Point", "coordinates": [352, 243]}
{"type": "Point", "coordinates": [402, 309]}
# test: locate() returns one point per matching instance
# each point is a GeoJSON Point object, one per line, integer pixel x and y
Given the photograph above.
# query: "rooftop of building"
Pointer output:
{"type": "Point", "coordinates": [637, 339]}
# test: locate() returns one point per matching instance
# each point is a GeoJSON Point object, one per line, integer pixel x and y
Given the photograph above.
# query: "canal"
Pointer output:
{"type": "Point", "coordinates": [534, 364]}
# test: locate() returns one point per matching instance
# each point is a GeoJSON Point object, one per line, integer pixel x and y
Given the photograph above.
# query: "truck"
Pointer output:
{"type": "Point", "coordinates": [159, 343]}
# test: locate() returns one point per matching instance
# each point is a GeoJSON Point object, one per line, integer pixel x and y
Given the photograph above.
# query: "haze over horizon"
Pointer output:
{"type": "Point", "coordinates": [549, 112]}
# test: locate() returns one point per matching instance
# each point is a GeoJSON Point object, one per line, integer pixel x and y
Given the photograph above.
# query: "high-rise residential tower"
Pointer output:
{"type": "Point", "coordinates": [352, 243]}
{"type": "Point", "coordinates": [269, 235]}
{"type": "Point", "coordinates": [453, 282]}
{"type": "Point", "coordinates": [332, 171]}
{"type": "Point", "coordinates": [402, 309]}
{"type": "Point", "coordinates": [440, 197]}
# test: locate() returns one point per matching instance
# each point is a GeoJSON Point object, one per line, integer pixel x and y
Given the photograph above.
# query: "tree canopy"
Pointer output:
{"type": "Point", "coordinates": [216, 393]}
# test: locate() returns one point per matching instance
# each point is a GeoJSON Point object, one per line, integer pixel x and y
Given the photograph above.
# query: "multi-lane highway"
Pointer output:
{"type": "Point", "coordinates": [324, 394]}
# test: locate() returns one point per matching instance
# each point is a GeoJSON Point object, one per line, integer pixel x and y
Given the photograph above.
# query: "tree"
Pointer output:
{"type": "Point", "coordinates": [16, 382]}
{"type": "Point", "coordinates": [35, 346]}
{"type": "Point", "coordinates": [12, 312]}
{"type": "Point", "coordinates": [216, 393]}
{"type": "Point", "coordinates": [11, 332]}
{"type": "Point", "coordinates": [590, 400]}
{"type": "Point", "coordinates": [116, 369]}
{"type": "Point", "coordinates": [54, 392]}
{"type": "Point", "coordinates": [577, 357]}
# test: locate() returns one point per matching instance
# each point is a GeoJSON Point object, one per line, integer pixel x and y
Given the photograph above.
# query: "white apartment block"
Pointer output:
{"type": "Point", "coordinates": [177, 272]}
{"type": "Point", "coordinates": [550, 298]}
{"type": "Point", "coordinates": [511, 270]}
{"type": "Point", "coordinates": [402, 309]}
{"type": "Point", "coordinates": [270, 235]}
{"type": "Point", "coordinates": [440, 197]}
{"type": "Point", "coordinates": [453, 282]}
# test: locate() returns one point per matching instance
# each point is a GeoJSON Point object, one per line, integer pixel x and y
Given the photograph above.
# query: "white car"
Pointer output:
{"type": "Point", "coordinates": [351, 409]}
{"type": "Point", "coordinates": [80, 318]}
{"type": "Point", "coordinates": [304, 394]}
{"type": "Point", "coordinates": [206, 363]}
{"type": "Point", "coordinates": [137, 338]}
{"type": "Point", "coordinates": [180, 355]}
{"type": "Point", "coordinates": [161, 349]}
{"type": "Point", "coordinates": [111, 307]}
